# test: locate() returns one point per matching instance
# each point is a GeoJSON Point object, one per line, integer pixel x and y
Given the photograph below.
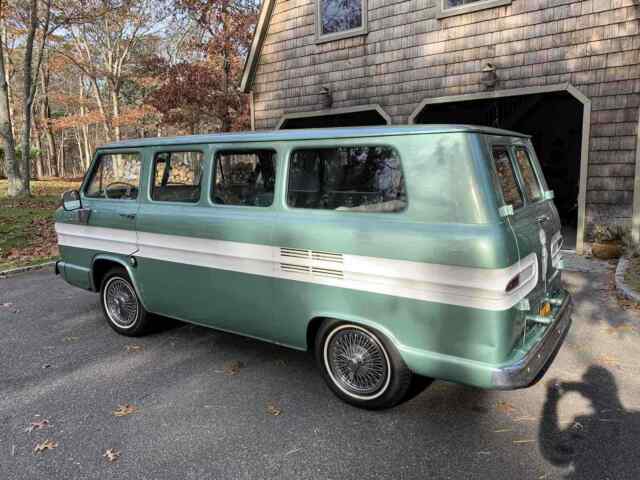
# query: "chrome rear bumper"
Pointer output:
{"type": "Point", "coordinates": [530, 368]}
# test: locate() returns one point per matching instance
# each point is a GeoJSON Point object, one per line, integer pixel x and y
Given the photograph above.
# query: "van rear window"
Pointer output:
{"type": "Point", "coordinates": [507, 178]}
{"type": "Point", "coordinates": [531, 183]}
{"type": "Point", "coordinates": [360, 178]}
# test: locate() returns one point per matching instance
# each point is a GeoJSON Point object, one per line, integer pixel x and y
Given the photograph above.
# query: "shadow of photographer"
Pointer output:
{"type": "Point", "coordinates": [603, 445]}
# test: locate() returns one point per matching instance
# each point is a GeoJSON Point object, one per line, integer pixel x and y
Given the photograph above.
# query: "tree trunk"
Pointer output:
{"type": "Point", "coordinates": [28, 91]}
{"type": "Point", "coordinates": [6, 133]}
{"type": "Point", "coordinates": [39, 162]}
{"type": "Point", "coordinates": [46, 123]}
{"type": "Point", "coordinates": [115, 117]}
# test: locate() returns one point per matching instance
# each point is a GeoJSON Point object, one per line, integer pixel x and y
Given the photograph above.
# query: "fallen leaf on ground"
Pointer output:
{"type": "Point", "coordinates": [111, 455]}
{"type": "Point", "coordinates": [37, 425]}
{"type": "Point", "coordinates": [46, 365]}
{"type": "Point", "coordinates": [273, 409]}
{"type": "Point", "coordinates": [134, 348]}
{"type": "Point", "coordinates": [70, 339]}
{"type": "Point", "coordinates": [503, 406]}
{"type": "Point", "coordinates": [281, 362]}
{"type": "Point", "coordinates": [124, 410]}
{"type": "Point", "coordinates": [232, 368]}
{"type": "Point", "coordinates": [46, 445]}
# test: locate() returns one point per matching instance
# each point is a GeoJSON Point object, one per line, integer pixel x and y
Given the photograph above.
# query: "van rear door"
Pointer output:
{"type": "Point", "coordinates": [535, 222]}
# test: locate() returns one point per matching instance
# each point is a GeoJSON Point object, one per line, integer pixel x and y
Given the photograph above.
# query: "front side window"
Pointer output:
{"type": "Point", "coordinates": [341, 17]}
{"type": "Point", "coordinates": [529, 177]}
{"type": "Point", "coordinates": [245, 178]}
{"type": "Point", "coordinates": [115, 176]}
{"type": "Point", "coordinates": [365, 179]}
{"type": "Point", "coordinates": [507, 178]}
{"type": "Point", "coordinates": [177, 177]}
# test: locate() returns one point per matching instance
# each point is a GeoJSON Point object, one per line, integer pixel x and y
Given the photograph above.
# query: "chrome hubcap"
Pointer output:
{"type": "Point", "coordinates": [120, 302]}
{"type": "Point", "coordinates": [357, 362]}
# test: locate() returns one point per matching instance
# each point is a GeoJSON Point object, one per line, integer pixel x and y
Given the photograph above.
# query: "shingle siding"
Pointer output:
{"type": "Point", "coordinates": [409, 55]}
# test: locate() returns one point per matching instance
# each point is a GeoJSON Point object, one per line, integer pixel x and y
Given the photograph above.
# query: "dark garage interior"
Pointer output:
{"type": "Point", "coordinates": [347, 119]}
{"type": "Point", "coordinates": [554, 121]}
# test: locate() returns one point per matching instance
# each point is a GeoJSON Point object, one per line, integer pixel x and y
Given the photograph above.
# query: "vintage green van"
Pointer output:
{"type": "Point", "coordinates": [394, 254]}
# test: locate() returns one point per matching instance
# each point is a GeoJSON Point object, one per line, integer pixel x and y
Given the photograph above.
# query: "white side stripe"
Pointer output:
{"type": "Point", "coordinates": [463, 286]}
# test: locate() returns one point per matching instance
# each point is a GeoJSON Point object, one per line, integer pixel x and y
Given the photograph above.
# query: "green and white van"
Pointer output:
{"type": "Point", "coordinates": [394, 254]}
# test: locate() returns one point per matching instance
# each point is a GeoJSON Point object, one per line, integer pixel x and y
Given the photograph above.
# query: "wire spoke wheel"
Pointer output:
{"type": "Point", "coordinates": [357, 362]}
{"type": "Point", "coordinates": [121, 303]}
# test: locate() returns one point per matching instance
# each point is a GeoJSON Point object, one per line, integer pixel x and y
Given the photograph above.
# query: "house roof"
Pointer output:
{"type": "Point", "coordinates": [256, 45]}
{"type": "Point", "coordinates": [307, 134]}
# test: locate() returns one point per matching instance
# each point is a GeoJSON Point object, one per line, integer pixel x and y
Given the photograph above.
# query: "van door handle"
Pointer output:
{"type": "Point", "coordinates": [130, 216]}
{"type": "Point", "coordinates": [543, 219]}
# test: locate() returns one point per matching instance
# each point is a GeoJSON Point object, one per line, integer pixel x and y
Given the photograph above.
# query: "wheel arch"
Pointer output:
{"type": "Point", "coordinates": [316, 321]}
{"type": "Point", "coordinates": [102, 263]}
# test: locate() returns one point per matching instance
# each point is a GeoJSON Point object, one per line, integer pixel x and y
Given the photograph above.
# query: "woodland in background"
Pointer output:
{"type": "Point", "coordinates": [75, 74]}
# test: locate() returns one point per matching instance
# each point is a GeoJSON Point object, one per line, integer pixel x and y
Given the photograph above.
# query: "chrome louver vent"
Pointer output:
{"type": "Point", "coordinates": [326, 256]}
{"type": "Point", "coordinates": [288, 267]}
{"type": "Point", "coordinates": [294, 253]}
{"type": "Point", "coordinates": [311, 262]}
{"type": "Point", "coordinates": [327, 272]}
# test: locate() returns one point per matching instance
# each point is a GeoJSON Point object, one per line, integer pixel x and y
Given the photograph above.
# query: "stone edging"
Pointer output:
{"type": "Point", "coordinates": [28, 268]}
{"type": "Point", "coordinates": [624, 289]}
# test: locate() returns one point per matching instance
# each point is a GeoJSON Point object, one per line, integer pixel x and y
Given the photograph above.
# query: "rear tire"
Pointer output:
{"type": "Point", "coordinates": [120, 304]}
{"type": "Point", "coordinates": [361, 366]}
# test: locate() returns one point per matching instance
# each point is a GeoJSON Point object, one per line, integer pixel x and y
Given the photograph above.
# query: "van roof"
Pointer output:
{"type": "Point", "coordinates": [308, 134]}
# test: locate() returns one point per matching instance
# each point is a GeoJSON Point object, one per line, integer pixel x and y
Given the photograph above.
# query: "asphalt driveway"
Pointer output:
{"type": "Point", "coordinates": [213, 405]}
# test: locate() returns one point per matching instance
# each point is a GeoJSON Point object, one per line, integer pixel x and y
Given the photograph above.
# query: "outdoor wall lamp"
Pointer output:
{"type": "Point", "coordinates": [489, 76]}
{"type": "Point", "coordinates": [326, 97]}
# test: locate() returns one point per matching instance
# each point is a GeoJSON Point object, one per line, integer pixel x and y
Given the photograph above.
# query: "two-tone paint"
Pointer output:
{"type": "Point", "coordinates": [432, 278]}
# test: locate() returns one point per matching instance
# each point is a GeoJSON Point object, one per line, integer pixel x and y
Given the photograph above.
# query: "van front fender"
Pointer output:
{"type": "Point", "coordinates": [121, 261]}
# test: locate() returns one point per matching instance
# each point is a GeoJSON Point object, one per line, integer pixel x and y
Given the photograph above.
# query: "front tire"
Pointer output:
{"type": "Point", "coordinates": [120, 304]}
{"type": "Point", "coordinates": [361, 366]}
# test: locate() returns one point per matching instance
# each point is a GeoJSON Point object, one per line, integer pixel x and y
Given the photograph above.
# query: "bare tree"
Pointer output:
{"type": "Point", "coordinates": [6, 129]}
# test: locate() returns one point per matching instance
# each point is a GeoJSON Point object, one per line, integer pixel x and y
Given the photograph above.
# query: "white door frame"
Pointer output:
{"type": "Point", "coordinates": [513, 92]}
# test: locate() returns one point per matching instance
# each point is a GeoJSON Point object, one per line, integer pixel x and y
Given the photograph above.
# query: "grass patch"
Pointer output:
{"type": "Point", "coordinates": [27, 236]}
{"type": "Point", "coordinates": [632, 273]}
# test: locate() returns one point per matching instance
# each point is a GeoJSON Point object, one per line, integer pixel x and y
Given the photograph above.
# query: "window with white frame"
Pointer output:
{"type": "Point", "coordinates": [455, 7]}
{"type": "Point", "coordinates": [341, 18]}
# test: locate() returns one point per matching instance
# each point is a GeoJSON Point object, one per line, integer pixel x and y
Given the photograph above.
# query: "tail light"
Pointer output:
{"type": "Point", "coordinates": [513, 283]}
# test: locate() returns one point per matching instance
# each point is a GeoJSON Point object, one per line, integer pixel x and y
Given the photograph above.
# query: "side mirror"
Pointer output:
{"type": "Point", "coordinates": [548, 195]}
{"type": "Point", "coordinates": [71, 200]}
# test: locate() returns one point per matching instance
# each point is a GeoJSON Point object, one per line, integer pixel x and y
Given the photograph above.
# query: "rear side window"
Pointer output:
{"type": "Point", "coordinates": [245, 178]}
{"type": "Point", "coordinates": [115, 176]}
{"type": "Point", "coordinates": [177, 177]}
{"type": "Point", "coordinates": [529, 177]}
{"type": "Point", "coordinates": [507, 178]}
{"type": "Point", "coordinates": [363, 179]}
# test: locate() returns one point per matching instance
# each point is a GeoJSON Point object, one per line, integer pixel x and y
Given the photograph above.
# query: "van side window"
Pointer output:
{"type": "Point", "coordinates": [115, 176]}
{"type": "Point", "coordinates": [177, 177]}
{"type": "Point", "coordinates": [507, 178]}
{"type": "Point", "coordinates": [361, 178]}
{"type": "Point", "coordinates": [531, 183]}
{"type": "Point", "coordinates": [245, 178]}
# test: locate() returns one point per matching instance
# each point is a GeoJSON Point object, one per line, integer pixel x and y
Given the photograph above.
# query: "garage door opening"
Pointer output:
{"type": "Point", "coordinates": [555, 122]}
{"type": "Point", "coordinates": [338, 117]}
